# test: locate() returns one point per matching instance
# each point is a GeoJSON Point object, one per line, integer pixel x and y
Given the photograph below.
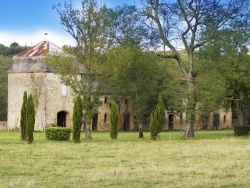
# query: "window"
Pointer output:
{"type": "Point", "coordinates": [181, 119]}
{"type": "Point", "coordinates": [224, 118]}
{"type": "Point", "coordinates": [105, 99]}
{"type": "Point", "coordinates": [64, 90]}
{"type": "Point", "coordinates": [105, 118]}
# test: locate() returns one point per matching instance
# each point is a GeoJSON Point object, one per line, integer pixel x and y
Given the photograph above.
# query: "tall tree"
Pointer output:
{"type": "Point", "coordinates": [136, 76]}
{"type": "Point", "coordinates": [77, 119]}
{"type": "Point", "coordinates": [229, 55]}
{"type": "Point", "coordinates": [114, 117]}
{"type": "Point", "coordinates": [190, 24]}
{"type": "Point", "coordinates": [30, 119]}
{"type": "Point", "coordinates": [91, 28]}
{"type": "Point", "coordinates": [23, 116]}
{"type": "Point", "coordinates": [129, 27]}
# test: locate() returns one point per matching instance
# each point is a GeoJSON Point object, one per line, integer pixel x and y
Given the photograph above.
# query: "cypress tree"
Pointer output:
{"type": "Point", "coordinates": [23, 116]}
{"type": "Point", "coordinates": [114, 120]}
{"type": "Point", "coordinates": [30, 119]}
{"type": "Point", "coordinates": [157, 121]}
{"type": "Point", "coordinates": [77, 119]}
{"type": "Point", "coordinates": [153, 127]}
{"type": "Point", "coordinates": [160, 114]}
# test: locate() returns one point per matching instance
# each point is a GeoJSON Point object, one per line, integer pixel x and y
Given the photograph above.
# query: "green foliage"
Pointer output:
{"type": "Point", "coordinates": [90, 26]}
{"type": "Point", "coordinates": [135, 75]}
{"type": "Point", "coordinates": [157, 120]}
{"type": "Point", "coordinates": [223, 72]}
{"type": "Point", "coordinates": [30, 119]}
{"type": "Point", "coordinates": [160, 113]}
{"type": "Point", "coordinates": [58, 133]}
{"type": "Point", "coordinates": [114, 120]}
{"type": "Point", "coordinates": [241, 130]}
{"type": "Point", "coordinates": [130, 29]}
{"type": "Point", "coordinates": [167, 20]}
{"type": "Point", "coordinates": [153, 127]}
{"type": "Point", "coordinates": [77, 119]}
{"type": "Point", "coordinates": [5, 63]}
{"type": "Point", "coordinates": [23, 116]}
{"type": "Point", "coordinates": [13, 49]}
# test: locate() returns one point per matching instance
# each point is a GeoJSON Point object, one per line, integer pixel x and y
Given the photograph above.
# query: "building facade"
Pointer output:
{"type": "Point", "coordinates": [53, 100]}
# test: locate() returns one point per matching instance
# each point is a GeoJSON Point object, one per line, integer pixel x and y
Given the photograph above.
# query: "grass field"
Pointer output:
{"type": "Point", "coordinates": [212, 159]}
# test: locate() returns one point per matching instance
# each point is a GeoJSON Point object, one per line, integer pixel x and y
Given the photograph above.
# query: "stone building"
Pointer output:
{"type": "Point", "coordinates": [219, 119]}
{"type": "Point", "coordinates": [53, 100]}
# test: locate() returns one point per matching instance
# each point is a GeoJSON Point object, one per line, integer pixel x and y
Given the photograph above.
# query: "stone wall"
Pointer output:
{"type": "Point", "coordinates": [46, 89]}
{"type": "Point", "coordinates": [3, 125]}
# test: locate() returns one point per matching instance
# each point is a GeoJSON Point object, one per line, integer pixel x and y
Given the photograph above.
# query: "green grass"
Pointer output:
{"type": "Point", "coordinates": [212, 159]}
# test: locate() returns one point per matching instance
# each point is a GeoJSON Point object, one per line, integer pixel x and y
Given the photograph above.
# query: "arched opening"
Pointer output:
{"type": "Point", "coordinates": [94, 122]}
{"type": "Point", "coordinates": [61, 119]}
{"type": "Point", "coordinates": [171, 122]}
{"type": "Point", "coordinates": [216, 120]}
{"type": "Point", "coordinates": [126, 120]}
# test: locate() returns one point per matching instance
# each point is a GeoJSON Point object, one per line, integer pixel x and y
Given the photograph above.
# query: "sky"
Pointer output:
{"type": "Point", "coordinates": [27, 21]}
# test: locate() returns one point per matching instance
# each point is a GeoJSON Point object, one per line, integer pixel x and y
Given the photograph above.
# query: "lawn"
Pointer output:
{"type": "Point", "coordinates": [212, 159]}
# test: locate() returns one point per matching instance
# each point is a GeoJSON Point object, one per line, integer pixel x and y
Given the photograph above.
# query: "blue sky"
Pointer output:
{"type": "Point", "coordinates": [26, 21]}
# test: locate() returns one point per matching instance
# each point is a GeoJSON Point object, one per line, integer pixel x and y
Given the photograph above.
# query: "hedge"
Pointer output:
{"type": "Point", "coordinates": [58, 133]}
{"type": "Point", "coordinates": [241, 130]}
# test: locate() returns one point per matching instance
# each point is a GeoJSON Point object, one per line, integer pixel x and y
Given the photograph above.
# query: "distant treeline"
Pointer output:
{"type": "Point", "coordinates": [6, 54]}
{"type": "Point", "coordinates": [13, 49]}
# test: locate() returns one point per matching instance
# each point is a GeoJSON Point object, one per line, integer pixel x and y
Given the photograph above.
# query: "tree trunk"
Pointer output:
{"type": "Point", "coordinates": [153, 137]}
{"type": "Point", "coordinates": [88, 130]}
{"type": "Point", "coordinates": [241, 114]}
{"type": "Point", "coordinates": [141, 130]}
{"type": "Point", "coordinates": [191, 106]}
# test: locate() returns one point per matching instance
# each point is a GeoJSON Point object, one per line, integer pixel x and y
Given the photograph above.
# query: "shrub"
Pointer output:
{"type": "Point", "coordinates": [241, 130]}
{"type": "Point", "coordinates": [58, 133]}
{"type": "Point", "coordinates": [157, 119]}
{"type": "Point", "coordinates": [30, 119]}
{"type": "Point", "coordinates": [114, 120]}
{"type": "Point", "coordinates": [77, 119]}
{"type": "Point", "coordinates": [23, 116]}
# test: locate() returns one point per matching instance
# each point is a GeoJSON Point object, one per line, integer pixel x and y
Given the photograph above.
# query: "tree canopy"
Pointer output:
{"type": "Point", "coordinates": [190, 24]}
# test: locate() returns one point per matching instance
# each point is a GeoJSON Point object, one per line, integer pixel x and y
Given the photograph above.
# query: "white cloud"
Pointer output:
{"type": "Point", "coordinates": [32, 38]}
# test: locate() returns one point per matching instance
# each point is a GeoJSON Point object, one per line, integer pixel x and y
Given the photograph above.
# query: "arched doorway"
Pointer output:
{"type": "Point", "coordinates": [94, 122]}
{"type": "Point", "coordinates": [126, 120]}
{"type": "Point", "coordinates": [171, 122]}
{"type": "Point", "coordinates": [216, 120]}
{"type": "Point", "coordinates": [61, 119]}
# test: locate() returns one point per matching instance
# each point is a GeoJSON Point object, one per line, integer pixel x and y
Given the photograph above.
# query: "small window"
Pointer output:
{"type": "Point", "coordinates": [181, 119]}
{"type": "Point", "coordinates": [225, 118]}
{"type": "Point", "coordinates": [105, 100]}
{"type": "Point", "coordinates": [105, 118]}
{"type": "Point", "coordinates": [64, 90]}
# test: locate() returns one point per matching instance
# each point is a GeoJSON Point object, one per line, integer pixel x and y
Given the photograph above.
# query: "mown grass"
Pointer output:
{"type": "Point", "coordinates": [212, 159]}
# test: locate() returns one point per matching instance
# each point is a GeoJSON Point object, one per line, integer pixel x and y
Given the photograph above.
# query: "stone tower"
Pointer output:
{"type": "Point", "coordinates": [52, 99]}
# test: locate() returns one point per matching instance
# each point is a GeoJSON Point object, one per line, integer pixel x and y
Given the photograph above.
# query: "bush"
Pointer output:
{"type": "Point", "coordinates": [157, 120]}
{"type": "Point", "coordinates": [30, 119]}
{"type": "Point", "coordinates": [58, 133]}
{"type": "Point", "coordinates": [114, 120]}
{"type": "Point", "coordinates": [77, 119]}
{"type": "Point", "coordinates": [23, 116]}
{"type": "Point", "coordinates": [241, 130]}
